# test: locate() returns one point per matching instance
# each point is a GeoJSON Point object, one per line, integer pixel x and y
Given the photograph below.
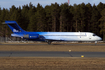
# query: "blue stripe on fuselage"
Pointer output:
{"type": "Point", "coordinates": [65, 36]}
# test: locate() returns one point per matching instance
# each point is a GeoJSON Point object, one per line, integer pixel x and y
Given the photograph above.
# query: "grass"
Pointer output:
{"type": "Point", "coordinates": [41, 63]}
{"type": "Point", "coordinates": [52, 63]}
{"type": "Point", "coordinates": [54, 47]}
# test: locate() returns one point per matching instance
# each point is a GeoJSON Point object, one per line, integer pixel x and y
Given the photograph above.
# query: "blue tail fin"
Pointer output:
{"type": "Point", "coordinates": [14, 26]}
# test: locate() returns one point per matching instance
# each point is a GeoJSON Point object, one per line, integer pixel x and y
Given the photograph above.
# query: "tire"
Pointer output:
{"type": "Point", "coordinates": [49, 42]}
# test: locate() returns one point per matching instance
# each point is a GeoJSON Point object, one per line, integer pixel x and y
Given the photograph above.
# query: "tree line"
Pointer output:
{"type": "Point", "coordinates": [56, 18]}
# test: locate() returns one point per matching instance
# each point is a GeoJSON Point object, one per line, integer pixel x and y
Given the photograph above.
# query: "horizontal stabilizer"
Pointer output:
{"type": "Point", "coordinates": [9, 22]}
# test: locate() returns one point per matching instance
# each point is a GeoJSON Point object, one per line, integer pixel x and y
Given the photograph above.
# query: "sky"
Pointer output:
{"type": "Point", "coordinates": [8, 3]}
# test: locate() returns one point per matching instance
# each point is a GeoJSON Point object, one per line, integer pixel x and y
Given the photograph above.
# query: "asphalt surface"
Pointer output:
{"type": "Point", "coordinates": [50, 54]}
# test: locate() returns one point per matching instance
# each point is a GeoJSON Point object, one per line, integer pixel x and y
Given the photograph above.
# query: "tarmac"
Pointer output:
{"type": "Point", "coordinates": [50, 54]}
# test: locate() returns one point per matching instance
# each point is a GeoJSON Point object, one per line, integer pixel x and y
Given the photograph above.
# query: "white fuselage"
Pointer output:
{"type": "Point", "coordinates": [61, 36]}
{"type": "Point", "coordinates": [71, 36]}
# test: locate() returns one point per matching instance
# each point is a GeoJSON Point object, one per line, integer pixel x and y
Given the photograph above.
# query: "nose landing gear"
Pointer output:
{"type": "Point", "coordinates": [95, 42]}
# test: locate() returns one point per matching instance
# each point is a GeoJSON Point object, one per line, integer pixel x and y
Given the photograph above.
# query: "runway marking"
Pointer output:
{"type": "Point", "coordinates": [10, 54]}
{"type": "Point", "coordinates": [82, 56]}
{"type": "Point", "coordinates": [69, 50]}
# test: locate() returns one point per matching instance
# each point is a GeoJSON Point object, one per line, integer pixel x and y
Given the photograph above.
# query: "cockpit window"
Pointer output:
{"type": "Point", "coordinates": [94, 35]}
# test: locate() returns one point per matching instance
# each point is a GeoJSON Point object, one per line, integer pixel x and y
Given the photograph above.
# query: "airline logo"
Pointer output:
{"type": "Point", "coordinates": [14, 30]}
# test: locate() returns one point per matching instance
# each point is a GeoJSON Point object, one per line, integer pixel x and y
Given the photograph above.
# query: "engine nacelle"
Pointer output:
{"type": "Point", "coordinates": [31, 36]}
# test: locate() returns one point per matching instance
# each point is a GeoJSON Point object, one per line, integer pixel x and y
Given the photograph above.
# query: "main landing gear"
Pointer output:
{"type": "Point", "coordinates": [49, 42]}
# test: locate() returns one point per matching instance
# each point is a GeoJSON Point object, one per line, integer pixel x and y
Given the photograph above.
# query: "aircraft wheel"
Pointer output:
{"type": "Point", "coordinates": [49, 42]}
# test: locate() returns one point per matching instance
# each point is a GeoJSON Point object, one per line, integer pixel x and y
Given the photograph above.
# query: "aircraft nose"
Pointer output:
{"type": "Point", "coordinates": [99, 38]}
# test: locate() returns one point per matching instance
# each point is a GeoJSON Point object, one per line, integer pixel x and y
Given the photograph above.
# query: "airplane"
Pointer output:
{"type": "Point", "coordinates": [50, 36]}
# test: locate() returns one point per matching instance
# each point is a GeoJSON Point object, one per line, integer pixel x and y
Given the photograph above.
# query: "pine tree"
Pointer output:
{"type": "Point", "coordinates": [65, 18]}
{"type": "Point", "coordinates": [83, 17]}
{"type": "Point", "coordinates": [88, 15]}
{"type": "Point", "coordinates": [48, 18]}
{"type": "Point", "coordinates": [100, 7]}
{"type": "Point", "coordinates": [32, 20]}
{"type": "Point", "coordinates": [40, 15]}
{"type": "Point", "coordinates": [55, 16]}
{"type": "Point", "coordinates": [24, 17]}
{"type": "Point", "coordinates": [13, 13]}
{"type": "Point", "coordinates": [102, 25]}
{"type": "Point", "coordinates": [76, 17]}
{"type": "Point", "coordinates": [94, 20]}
